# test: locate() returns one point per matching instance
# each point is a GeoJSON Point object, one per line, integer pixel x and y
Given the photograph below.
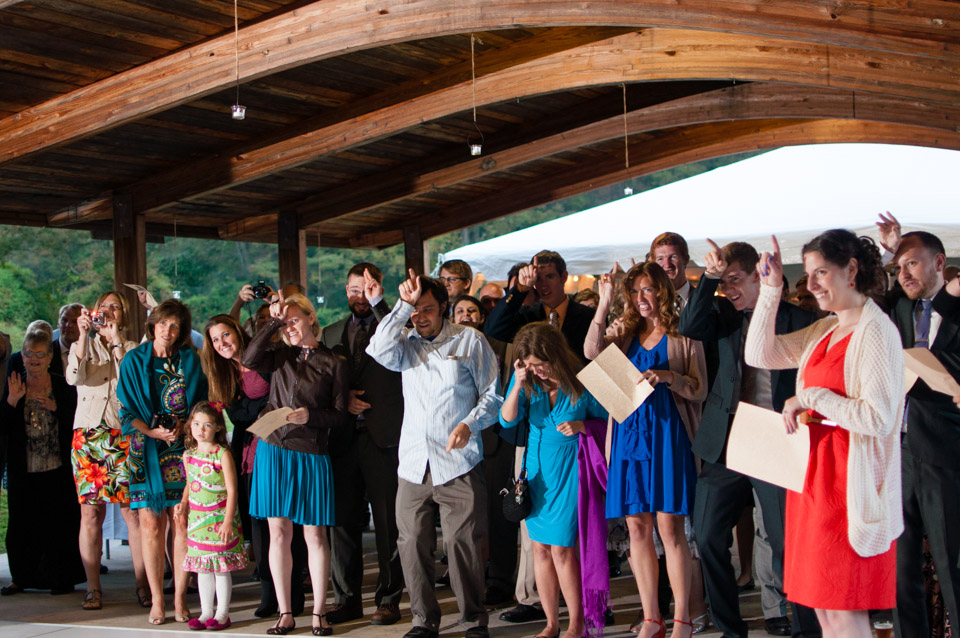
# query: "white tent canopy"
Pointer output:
{"type": "Point", "coordinates": [794, 192]}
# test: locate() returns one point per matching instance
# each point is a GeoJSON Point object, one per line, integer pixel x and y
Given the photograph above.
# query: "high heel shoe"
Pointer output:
{"type": "Point", "coordinates": [677, 621]}
{"type": "Point", "coordinates": [277, 630]}
{"type": "Point", "coordinates": [701, 623]}
{"type": "Point", "coordinates": [662, 632]}
{"type": "Point", "coordinates": [320, 630]}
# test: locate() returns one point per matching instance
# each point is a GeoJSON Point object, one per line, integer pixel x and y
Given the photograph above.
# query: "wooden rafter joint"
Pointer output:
{"type": "Point", "coordinates": [92, 210]}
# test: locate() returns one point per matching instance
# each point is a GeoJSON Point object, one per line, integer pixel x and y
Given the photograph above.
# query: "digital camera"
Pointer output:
{"type": "Point", "coordinates": [165, 421]}
{"type": "Point", "coordinates": [261, 290]}
{"type": "Point", "coordinates": [97, 319]}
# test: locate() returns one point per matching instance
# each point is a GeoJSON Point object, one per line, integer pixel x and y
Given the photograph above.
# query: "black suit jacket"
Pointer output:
{"type": "Point", "coordinates": [714, 319]}
{"type": "Point", "coordinates": [382, 388]}
{"type": "Point", "coordinates": [933, 420]}
{"type": "Point", "coordinates": [509, 315]}
{"type": "Point", "coordinates": [13, 421]}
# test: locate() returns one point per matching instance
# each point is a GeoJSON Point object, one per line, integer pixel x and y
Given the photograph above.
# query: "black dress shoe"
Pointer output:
{"type": "Point", "coordinates": [421, 632]}
{"type": "Point", "coordinates": [265, 611]}
{"type": "Point", "coordinates": [523, 613]}
{"type": "Point", "coordinates": [747, 586]}
{"type": "Point", "coordinates": [444, 581]}
{"type": "Point", "coordinates": [341, 613]}
{"type": "Point", "coordinates": [497, 596]}
{"type": "Point", "coordinates": [778, 626]}
{"type": "Point", "coordinates": [477, 632]}
{"type": "Point", "coordinates": [608, 619]}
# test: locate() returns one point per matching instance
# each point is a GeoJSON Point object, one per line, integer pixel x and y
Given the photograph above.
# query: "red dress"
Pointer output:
{"type": "Point", "coordinates": [821, 569]}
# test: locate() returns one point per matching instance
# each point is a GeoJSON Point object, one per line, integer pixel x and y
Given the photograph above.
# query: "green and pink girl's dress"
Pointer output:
{"type": "Point", "coordinates": [207, 495]}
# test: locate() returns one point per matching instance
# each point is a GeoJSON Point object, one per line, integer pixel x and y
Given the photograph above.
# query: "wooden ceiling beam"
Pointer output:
{"type": "Point", "coordinates": [651, 55]}
{"type": "Point", "coordinates": [681, 146]}
{"type": "Point", "coordinates": [236, 165]}
{"type": "Point", "coordinates": [746, 101]}
{"type": "Point", "coordinates": [322, 29]}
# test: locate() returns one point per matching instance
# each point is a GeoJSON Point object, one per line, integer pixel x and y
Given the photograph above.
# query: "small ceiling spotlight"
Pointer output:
{"type": "Point", "coordinates": [627, 191]}
{"type": "Point", "coordinates": [238, 111]}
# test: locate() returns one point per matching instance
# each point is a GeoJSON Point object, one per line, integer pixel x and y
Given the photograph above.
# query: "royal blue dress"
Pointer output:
{"type": "Point", "coordinates": [652, 468]}
{"type": "Point", "coordinates": [552, 463]}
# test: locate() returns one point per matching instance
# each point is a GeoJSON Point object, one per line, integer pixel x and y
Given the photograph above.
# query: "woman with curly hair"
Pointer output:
{"type": "Point", "coordinates": [653, 472]}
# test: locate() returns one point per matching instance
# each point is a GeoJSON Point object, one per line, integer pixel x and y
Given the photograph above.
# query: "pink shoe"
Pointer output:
{"type": "Point", "coordinates": [214, 625]}
{"type": "Point", "coordinates": [196, 624]}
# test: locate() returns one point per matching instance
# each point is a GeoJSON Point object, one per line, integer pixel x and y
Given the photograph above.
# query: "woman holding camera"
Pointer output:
{"type": "Point", "coordinates": [99, 451]}
{"type": "Point", "coordinates": [159, 381]}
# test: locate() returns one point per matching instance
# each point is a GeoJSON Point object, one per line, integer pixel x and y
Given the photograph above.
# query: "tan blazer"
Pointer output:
{"type": "Point", "coordinates": [687, 362]}
{"type": "Point", "coordinates": [95, 378]}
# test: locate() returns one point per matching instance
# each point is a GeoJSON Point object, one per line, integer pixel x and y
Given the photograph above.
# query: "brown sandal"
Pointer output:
{"type": "Point", "coordinates": [92, 601]}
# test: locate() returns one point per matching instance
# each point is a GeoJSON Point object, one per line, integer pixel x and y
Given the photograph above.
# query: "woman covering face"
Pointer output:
{"type": "Point", "coordinates": [292, 478]}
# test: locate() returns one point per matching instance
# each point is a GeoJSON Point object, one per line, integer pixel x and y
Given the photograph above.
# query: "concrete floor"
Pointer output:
{"type": "Point", "coordinates": [38, 614]}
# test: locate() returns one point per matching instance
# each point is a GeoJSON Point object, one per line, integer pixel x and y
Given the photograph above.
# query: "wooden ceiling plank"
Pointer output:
{"type": "Point", "coordinates": [681, 146]}
{"type": "Point", "coordinates": [319, 30]}
{"type": "Point", "coordinates": [629, 57]}
{"type": "Point", "coordinates": [96, 22]}
{"type": "Point", "coordinates": [213, 174]}
{"type": "Point", "coordinates": [753, 101]}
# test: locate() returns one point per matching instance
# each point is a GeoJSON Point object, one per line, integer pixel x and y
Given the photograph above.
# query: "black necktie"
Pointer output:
{"type": "Point", "coordinates": [359, 342]}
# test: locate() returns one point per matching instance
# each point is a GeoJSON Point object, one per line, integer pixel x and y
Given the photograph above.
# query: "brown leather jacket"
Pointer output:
{"type": "Point", "coordinates": [319, 383]}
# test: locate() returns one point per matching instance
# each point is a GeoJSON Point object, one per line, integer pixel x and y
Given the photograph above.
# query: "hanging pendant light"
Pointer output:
{"type": "Point", "coordinates": [476, 147]}
{"type": "Point", "coordinates": [237, 111]}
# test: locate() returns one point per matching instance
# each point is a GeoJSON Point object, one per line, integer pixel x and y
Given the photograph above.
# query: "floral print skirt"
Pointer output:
{"type": "Point", "coordinates": [99, 459]}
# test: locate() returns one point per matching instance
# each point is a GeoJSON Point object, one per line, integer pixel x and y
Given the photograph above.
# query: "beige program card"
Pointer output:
{"type": "Point", "coordinates": [924, 364]}
{"type": "Point", "coordinates": [759, 446]}
{"type": "Point", "coordinates": [612, 379]}
{"type": "Point", "coordinates": [269, 422]}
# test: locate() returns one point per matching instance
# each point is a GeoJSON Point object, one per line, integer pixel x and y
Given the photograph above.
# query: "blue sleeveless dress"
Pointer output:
{"type": "Point", "coordinates": [652, 468]}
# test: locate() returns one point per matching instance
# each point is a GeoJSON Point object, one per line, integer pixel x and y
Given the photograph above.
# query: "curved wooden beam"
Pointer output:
{"type": "Point", "coordinates": [929, 28]}
{"type": "Point", "coordinates": [653, 54]}
{"type": "Point", "coordinates": [681, 146]}
{"type": "Point", "coordinates": [743, 102]}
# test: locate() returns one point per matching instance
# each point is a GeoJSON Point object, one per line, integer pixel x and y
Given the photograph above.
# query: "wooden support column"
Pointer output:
{"type": "Point", "coordinates": [129, 259]}
{"type": "Point", "coordinates": [414, 250]}
{"type": "Point", "coordinates": [291, 250]}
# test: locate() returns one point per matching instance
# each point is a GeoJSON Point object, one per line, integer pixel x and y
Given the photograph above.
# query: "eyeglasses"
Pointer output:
{"type": "Point", "coordinates": [35, 354]}
{"type": "Point", "coordinates": [113, 307]}
{"type": "Point", "coordinates": [450, 280]}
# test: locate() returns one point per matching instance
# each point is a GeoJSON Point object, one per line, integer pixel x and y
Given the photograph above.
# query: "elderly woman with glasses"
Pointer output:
{"type": "Point", "coordinates": [37, 413]}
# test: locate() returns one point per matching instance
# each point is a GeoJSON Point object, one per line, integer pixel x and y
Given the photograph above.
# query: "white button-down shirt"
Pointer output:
{"type": "Point", "coordinates": [450, 380]}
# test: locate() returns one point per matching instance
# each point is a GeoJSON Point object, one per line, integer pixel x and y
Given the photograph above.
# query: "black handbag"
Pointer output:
{"type": "Point", "coordinates": [515, 497]}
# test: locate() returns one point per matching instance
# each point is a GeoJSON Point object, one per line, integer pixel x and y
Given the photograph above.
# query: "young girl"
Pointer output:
{"type": "Point", "coordinates": [214, 542]}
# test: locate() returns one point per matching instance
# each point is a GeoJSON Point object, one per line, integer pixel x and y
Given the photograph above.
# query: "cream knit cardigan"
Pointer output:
{"type": "Point", "coordinates": [872, 411]}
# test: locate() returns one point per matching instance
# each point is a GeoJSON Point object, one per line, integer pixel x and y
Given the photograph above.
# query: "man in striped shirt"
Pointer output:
{"type": "Point", "coordinates": [450, 392]}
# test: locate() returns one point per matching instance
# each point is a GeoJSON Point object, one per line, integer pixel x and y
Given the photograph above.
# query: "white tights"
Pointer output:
{"type": "Point", "coordinates": [210, 584]}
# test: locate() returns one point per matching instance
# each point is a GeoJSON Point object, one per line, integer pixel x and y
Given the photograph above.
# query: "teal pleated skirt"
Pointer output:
{"type": "Point", "coordinates": [293, 485]}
